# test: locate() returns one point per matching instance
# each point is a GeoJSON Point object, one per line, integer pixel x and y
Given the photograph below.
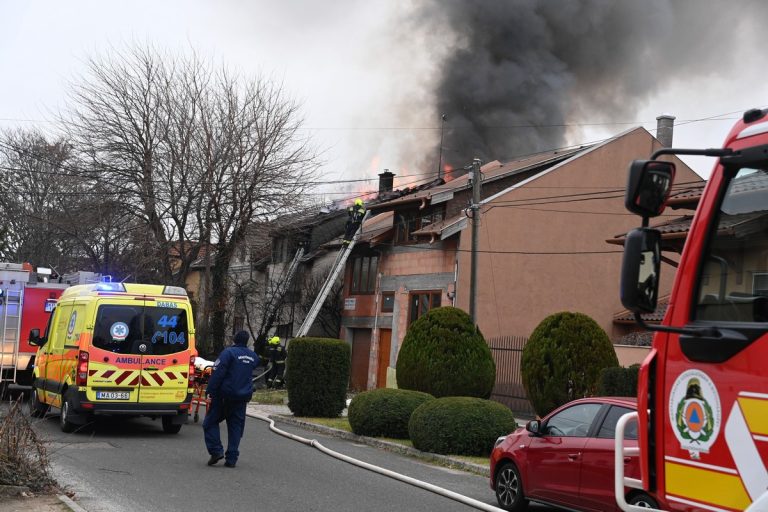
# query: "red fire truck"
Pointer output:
{"type": "Point", "coordinates": [24, 305]}
{"type": "Point", "coordinates": [703, 389]}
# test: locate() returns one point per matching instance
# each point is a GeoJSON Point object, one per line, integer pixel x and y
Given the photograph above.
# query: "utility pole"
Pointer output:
{"type": "Point", "coordinates": [475, 239]}
{"type": "Point", "coordinates": [440, 157]}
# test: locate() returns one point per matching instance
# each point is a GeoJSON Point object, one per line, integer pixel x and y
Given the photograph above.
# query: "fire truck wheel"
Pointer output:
{"type": "Point", "coordinates": [509, 488]}
{"type": "Point", "coordinates": [66, 408]}
{"type": "Point", "coordinates": [169, 427]}
{"type": "Point", "coordinates": [37, 408]}
{"type": "Point", "coordinates": [643, 500]}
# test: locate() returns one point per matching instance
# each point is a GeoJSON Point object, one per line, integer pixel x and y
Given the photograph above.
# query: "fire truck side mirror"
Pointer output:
{"type": "Point", "coordinates": [648, 188]}
{"type": "Point", "coordinates": [640, 270]}
{"type": "Point", "coordinates": [34, 338]}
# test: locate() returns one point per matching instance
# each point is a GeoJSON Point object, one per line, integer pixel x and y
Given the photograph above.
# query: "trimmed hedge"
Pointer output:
{"type": "Point", "coordinates": [619, 381]}
{"type": "Point", "coordinates": [444, 354]}
{"type": "Point", "coordinates": [384, 412]}
{"type": "Point", "coordinates": [317, 375]}
{"type": "Point", "coordinates": [459, 425]}
{"type": "Point", "coordinates": [563, 358]}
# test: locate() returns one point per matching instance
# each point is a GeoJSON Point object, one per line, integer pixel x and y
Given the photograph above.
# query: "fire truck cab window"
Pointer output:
{"type": "Point", "coordinates": [141, 330]}
{"type": "Point", "coordinates": [734, 276]}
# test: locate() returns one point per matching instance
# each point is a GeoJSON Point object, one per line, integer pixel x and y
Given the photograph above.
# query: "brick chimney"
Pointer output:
{"type": "Point", "coordinates": [386, 181]}
{"type": "Point", "coordinates": [665, 124]}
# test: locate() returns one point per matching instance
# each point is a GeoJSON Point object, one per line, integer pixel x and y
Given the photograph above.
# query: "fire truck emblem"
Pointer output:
{"type": "Point", "coordinates": [694, 411]}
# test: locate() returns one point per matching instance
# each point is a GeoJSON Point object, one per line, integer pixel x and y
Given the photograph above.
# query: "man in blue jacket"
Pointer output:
{"type": "Point", "coordinates": [230, 388]}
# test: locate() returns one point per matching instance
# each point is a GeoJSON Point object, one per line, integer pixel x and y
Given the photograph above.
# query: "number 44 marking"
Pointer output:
{"type": "Point", "coordinates": [168, 321]}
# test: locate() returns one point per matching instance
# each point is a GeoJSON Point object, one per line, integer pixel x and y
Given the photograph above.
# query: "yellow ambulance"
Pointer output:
{"type": "Point", "coordinates": [116, 349]}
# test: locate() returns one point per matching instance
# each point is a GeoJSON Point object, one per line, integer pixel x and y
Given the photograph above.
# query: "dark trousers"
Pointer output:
{"type": "Point", "coordinates": [234, 414]}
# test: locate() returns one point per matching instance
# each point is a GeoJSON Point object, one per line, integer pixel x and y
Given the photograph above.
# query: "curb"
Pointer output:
{"type": "Point", "coordinates": [386, 445]}
{"type": "Point", "coordinates": [74, 507]}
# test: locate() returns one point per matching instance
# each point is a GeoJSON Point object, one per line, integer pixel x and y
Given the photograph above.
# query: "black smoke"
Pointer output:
{"type": "Point", "coordinates": [523, 74]}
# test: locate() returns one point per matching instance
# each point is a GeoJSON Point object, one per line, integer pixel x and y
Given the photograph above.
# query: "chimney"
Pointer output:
{"type": "Point", "coordinates": [386, 181]}
{"type": "Point", "coordinates": [665, 124]}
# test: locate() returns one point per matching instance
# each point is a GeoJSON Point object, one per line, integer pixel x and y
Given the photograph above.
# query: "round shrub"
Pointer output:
{"type": "Point", "coordinates": [316, 376]}
{"type": "Point", "coordinates": [444, 354]}
{"type": "Point", "coordinates": [459, 425]}
{"type": "Point", "coordinates": [384, 412]}
{"type": "Point", "coordinates": [563, 359]}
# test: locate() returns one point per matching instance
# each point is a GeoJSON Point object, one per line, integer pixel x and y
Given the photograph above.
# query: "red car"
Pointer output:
{"type": "Point", "coordinates": [566, 459]}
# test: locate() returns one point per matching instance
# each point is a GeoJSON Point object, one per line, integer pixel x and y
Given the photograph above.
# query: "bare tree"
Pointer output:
{"type": "Point", "coordinates": [193, 154]}
{"type": "Point", "coordinates": [328, 320]}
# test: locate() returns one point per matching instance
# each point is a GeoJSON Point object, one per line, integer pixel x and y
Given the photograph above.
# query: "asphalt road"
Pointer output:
{"type": "Point", "coordinates": [131, 465]}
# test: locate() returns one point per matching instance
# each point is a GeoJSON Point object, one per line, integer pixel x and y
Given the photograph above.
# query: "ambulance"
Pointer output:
{"type": "Point", "coordinates": [116, 349]}
{"type": "Point", "coordinates": [703, 388]}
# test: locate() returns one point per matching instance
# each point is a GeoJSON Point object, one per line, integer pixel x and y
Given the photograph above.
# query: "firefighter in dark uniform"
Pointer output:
{"type": "Point", "coordinates": [276, 354]}
{"type": "Point", "coordinates": [356, 214]}
{"type": "Point", "coordinates": [230, 388]}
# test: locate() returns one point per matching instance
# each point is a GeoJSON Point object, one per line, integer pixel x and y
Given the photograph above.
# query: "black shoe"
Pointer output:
{"type": "Point", "coordinates": [230, 464]}
{"type": "Point", "coordinates": [214, 459]}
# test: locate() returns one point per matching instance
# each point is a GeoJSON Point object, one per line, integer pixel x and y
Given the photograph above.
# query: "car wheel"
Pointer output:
{"type": "Point", "coordinates": [36, 408]}
{"type": "Point", "coordinates": [169, 427]}
{"type": "Point", "coordinates": [509, 488]}
{"type": "Point", "coordinates": [64, 419]}
{"type": "Point", "coordinates": [643, 500]}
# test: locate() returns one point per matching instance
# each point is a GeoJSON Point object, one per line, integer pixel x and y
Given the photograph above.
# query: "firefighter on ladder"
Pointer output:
{"type": "Point", "coordinates": [276, 355]}
{"type": "Point", "coordinates": [356, 214]}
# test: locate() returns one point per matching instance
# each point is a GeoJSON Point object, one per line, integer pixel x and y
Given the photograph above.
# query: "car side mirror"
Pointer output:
{"type": "Point", "coordinates": [34, 338]}
{"type": "Point", "coordinates": [640, 270]}
{"type": "Point", "coordinates": [534, 427]}
{"type": "Point", "coordinates": [648, 188]}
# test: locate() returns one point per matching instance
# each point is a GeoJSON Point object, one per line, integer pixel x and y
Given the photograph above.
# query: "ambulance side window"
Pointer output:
{"type": "Point", "coordinates": [58, 334]}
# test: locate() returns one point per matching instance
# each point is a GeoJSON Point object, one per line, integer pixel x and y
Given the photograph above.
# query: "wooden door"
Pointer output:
{"type": "Point", "coordinates": [385, 344]}
{"type": "Point", "coordinates": [361, 351]}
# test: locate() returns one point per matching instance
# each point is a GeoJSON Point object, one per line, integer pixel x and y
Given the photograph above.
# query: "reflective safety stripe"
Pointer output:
{"type": "Point", "coordinates": [747, 413]}
{"type": "Point", "coordinates": [159, 378]}
{"type": "Point", "coordinates": [713, 487]}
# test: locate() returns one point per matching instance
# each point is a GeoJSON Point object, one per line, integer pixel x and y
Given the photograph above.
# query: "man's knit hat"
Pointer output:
{"type": "Point", "coordinates": [242, 337]}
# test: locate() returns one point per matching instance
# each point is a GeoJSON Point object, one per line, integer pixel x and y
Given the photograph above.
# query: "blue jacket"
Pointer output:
{"type": "Point", "coordinates": [232, 374]}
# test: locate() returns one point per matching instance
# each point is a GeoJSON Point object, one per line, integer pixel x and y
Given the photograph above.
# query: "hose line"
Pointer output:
{"type": "Point", "coordinates": [382, 471]}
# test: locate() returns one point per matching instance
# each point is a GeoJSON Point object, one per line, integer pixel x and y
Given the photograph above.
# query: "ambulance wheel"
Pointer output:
{"type": "Point", "coordinates": [169, 427]}
{"type": "Point", "coordinates": [36, 408]}
{"type": "Point", "coordinates": [643, 500]}
{"type": "Point", "coordinates": [66, 409]}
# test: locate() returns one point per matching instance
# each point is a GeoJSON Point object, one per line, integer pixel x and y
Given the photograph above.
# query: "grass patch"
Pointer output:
{"type": "Point", "coordinates": [483, 461]}
{"type": "Point", "coordinates": [270, 396]}
{"type": "Point", "coordinates": [339, 423]}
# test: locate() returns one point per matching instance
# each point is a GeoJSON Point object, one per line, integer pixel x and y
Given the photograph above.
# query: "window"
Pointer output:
{"type": "Point", "coordinates": [608, 429]}
{"type": "Point", "coordinates": [733, 284]}
{"type": "Point", "coordinates": [387, 302]}
{"type": "Point", "coordinates": [284, 331]}
{"type": "Point", "coordinates": [364, 270]}
{"type": "Point", "coordinates": [237, 324]}
{"type": "Point", "coordinates": [421, 302]}
{"type": "Point", "coordinates": [573, 421]}
{"type": "Point", "coordinates": [141, 330]}
{"type": "Point", "coordinates": [409, 221]}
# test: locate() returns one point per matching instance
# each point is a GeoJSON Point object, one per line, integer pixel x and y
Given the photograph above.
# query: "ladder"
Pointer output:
{"type": "Point", "coordinates": [285, 281]}
{"type": "Point", "coordinates": [336, 268]}
{"type": "Point", "coordinates": [10, 316]}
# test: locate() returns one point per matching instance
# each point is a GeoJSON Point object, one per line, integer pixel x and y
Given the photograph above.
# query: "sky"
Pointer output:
{"type": "Point", "coordinates": [374, 76]}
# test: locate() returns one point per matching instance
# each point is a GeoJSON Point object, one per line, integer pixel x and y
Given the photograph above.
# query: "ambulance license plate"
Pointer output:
{"type": "Point", "coordinates": [113, 395]}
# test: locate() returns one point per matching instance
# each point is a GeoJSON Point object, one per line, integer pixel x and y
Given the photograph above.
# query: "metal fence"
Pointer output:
{"type": "Point", "coordinates": [507, 352]}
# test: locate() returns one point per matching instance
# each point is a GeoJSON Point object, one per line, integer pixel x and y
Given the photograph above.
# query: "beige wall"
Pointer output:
{"type": "Point", "coordinates": [516, 291]}
{"type": "Point", "coordinates": [629, 355]}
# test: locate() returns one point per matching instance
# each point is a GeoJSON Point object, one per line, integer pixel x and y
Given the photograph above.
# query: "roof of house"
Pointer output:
{"type": "Point", "coordinates": [627, 317]}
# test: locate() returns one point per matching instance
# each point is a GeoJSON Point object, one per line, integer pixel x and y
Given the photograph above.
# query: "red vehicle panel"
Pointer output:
{"type": "Point", "coordinates": [34, 314]}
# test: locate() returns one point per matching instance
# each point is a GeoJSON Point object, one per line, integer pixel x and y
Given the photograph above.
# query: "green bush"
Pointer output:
{"type": "Point", "coordinates": [563, 358]}
{"type": "Point", "coordinates": [459, 425]}
{"type": "Point", "coordinates": [618, 381]}
{"type": "Point", "coordinates": [384, 412]}
{"type": "Point", "coordinates": [443, 354]}
{"type": "Point", "coordinates": [317, 375]}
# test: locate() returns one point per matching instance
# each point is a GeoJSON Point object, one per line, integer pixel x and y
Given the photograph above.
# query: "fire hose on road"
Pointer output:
{"type": "Point", "coordinates": [382, 471]}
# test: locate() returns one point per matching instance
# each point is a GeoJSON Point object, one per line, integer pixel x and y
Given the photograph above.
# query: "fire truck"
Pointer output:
{"type": "Point", "coordinates": [703, 388]}
{"type": "Point", "coordinates": [25, 304]}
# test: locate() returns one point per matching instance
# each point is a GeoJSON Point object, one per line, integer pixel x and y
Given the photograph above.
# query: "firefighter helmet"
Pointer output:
{"type": "Point", "coordinates": [274, 340]}
{"type": "Point", "coordinates": [358, 202]}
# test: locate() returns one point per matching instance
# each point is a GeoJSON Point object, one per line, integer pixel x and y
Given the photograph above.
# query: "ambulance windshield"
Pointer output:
{"type": "Point", "coordinates": [142, 330]}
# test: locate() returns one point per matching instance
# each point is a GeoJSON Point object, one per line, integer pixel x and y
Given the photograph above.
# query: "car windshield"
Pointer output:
{"type": "Point", "coordinates": [142, 330]}
{"type": "Point", "coordinates": [734, 276]}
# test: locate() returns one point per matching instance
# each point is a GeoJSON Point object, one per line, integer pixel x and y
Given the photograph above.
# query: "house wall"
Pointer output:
{"type": "Point", "coordinates": [539, 259]}
{"type": "Point", "coordinates": [402, 270]}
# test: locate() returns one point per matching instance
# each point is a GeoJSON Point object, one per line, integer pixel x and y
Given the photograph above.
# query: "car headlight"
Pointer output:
{"type": "Point", "coordinates": [499, 441]}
